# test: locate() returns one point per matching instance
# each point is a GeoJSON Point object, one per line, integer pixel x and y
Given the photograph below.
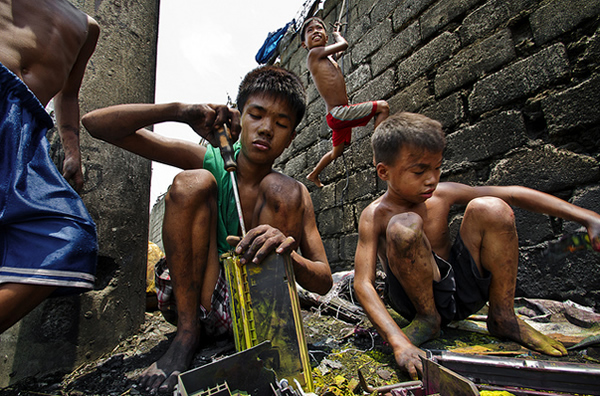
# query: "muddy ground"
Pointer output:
{"type": "Point", "coordinates": [337, 350]}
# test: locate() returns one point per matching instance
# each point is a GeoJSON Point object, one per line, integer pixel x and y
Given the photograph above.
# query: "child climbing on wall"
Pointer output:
{"type": "Point", "coordinates": [431, 281]}
{"type": "Point", "coordinates": [329, 80]}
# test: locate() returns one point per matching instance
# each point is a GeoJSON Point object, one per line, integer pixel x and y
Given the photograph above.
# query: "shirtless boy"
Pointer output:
{"type": "Point", "coordinates": [329, 80]}
{"type": "Point", "coordinates": [407, 230]}
{"type": "Point", "coordinates": [200, 209]}
{"type": "Point", "coordinates": [47, 238]}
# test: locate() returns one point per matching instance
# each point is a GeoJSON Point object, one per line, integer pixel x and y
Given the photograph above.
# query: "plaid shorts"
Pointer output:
{"type": "Point", "coordinates": [215, 322]}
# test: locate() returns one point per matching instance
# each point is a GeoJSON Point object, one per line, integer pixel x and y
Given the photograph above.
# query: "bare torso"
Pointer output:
{"type": "Point", "coordinates": [328, 78]}
{"type": "Point", "coordinates": [41, 40]}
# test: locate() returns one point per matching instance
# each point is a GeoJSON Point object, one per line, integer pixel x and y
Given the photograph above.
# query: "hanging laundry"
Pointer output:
{"type": "Point", "coordinates": [270, 45]}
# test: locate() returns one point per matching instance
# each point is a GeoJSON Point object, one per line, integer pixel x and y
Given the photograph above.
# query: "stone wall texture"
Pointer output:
{"type": "Point", "coordinates": [63, 333]}
{"type": "Point", "coordinates": [516, 87]}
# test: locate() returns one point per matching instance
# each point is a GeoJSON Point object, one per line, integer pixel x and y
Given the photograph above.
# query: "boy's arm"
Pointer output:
{"type": "Point", "coordinates": [311, 269]}
{"type": "Point", "coordinates": [341, 41]}
{"type": "Point", "coordinates": [405, 353]}
{"type": "Point", "coordinates": [66, 104]}
{"type": "Point", "coordinates": [534, 201]}
{"type": "Point", "coordinates": [124, 126]}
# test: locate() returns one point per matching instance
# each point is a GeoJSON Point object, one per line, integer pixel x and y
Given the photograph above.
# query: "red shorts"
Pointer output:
{"type": "Point", "coordinates": [342, 119]}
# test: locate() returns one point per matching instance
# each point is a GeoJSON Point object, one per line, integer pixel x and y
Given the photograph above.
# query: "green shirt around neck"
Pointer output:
{"type": "Point", "coordinates": [227, 222]}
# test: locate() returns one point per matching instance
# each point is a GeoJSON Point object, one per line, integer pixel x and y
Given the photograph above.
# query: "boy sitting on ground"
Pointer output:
{"type": "Point", "coordinates": [329, 80]}
{"type": "Point", "coordinates": [200, 210]}
{"type": "Point", "coordinates": [430, 281]}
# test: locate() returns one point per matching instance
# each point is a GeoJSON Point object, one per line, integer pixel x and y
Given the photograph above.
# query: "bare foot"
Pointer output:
{"type": "Point", "coordinates": [422, 329]}
{"type": "Point", "coordinates": [315, 179]}
{"type": "Point", "coordinates": [162, 374]}
{"type": "Point", "coordinates": [520, 332]}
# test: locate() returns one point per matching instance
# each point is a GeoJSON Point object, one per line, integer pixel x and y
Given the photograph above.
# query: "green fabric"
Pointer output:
{"type": "Point", "coordinates": [228, 222]}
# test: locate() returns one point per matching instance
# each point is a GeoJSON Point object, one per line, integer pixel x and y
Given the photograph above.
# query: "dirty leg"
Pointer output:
{"type": "Point", "coordinates": [189, 234]}
{"type": "Point", "coordinates": [323, 162]}
{"type": "Point", "coordinates": [488, 230]}
{"type": "Point", "coordinates": [412, 263]}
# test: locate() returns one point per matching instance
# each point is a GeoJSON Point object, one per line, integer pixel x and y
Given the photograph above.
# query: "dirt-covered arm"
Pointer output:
{"type": "Point", "coordinates": [125, 127]}
{"type": "Point", "coordinates": [66, 105]}
{"type": "Point", "coordinates": [532, 200]}
{"type": "Point", "coordinates": [405, 353]}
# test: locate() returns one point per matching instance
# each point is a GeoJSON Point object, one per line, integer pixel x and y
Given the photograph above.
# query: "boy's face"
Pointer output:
{"type": "Point", "coordinates": [267, 127]}
{"type": "Point", "coordinates": [414, 176]}
{"type": "Point", "coordinates": [314, 35]}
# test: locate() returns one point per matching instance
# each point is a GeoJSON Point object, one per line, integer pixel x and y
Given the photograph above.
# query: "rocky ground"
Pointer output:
{"type": "Point", "coordinates": [337, 349]}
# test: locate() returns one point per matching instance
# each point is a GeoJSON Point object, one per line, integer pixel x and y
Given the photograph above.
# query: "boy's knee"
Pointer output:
{"type": "Point", "coordinates": [191, 186]}
{"type": "Point", "coordinates": [383, 107]}
{"type": "Point", "coordinates": [405, 229]}
{"type": "Point", "coordinates": [491, 210]}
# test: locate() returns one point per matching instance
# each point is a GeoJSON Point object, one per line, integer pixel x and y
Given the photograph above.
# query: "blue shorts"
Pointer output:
{"type": "Point", "coordinates": [47, 236]}
{"type": "Point", "coordinates": [461, 291]}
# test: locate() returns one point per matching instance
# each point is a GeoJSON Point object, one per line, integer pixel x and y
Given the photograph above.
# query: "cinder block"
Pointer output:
{"type": "Point", "coordinates": [449, 111]}
{"type": "Point", "coordinates": [471, 63]}
{"type": "Point", "coordinates": [425, 59]}
{"type": "Point", "coordinates": [379, 88]}
{"type": "Point", "coordinates": [397, 48]}
{"type": "Point", "coordinates": [576, 107]}
{"type": "Point", "coordinates": [371, 41]}
{"type": "Point", "coordinates": [560, 16]}
{"type": "Point", "coordinates": [485, 19]}
{"type": "Point", "coordinates": [412, 98]}
{"type": "Point", "coordinates": [444, 11]}
{"type": "Point", "coordinates": [520, 79]}
{"type": "Point", "coordinates": [487, 138]}
{"type": "Point", "coordinates": [408, 10]}
{"type": "Point", "coordinates": [545, 168]}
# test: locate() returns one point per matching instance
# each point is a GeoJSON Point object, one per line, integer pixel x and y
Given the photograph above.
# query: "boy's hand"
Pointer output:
{"type": "Point", "coordinates": [205, 119]}
{"type": "Point", "coordinates": [260, 241]}
{"type": "Point", "coordinates": [594, 233]}
{"type": "Point", "coordinates": [72, 173]}
{"type": "Point", "coordinates": [409, 359]}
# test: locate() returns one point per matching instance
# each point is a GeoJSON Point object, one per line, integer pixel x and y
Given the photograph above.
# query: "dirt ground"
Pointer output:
{"type": "Point", "coordinates": [337, 350]}
{"type": "Point", "coordinates": [340, 341]}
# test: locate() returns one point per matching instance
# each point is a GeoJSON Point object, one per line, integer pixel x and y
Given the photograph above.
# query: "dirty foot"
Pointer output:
{"type": "Point", "coordinates": [162, 374]}
{"type": "Point", "coordinates": [315, 179]}
{"type": "Point", "coordinates": [422, 329]}
{"type": "Point", "coordinates": [516, 330]}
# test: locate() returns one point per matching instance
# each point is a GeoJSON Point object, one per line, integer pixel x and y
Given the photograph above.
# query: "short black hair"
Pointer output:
{"type": "Point", "coordinates": [406, 129]}
{"type": "Point", "coordinates": [276, 81]}
{"type": "Point", "coordinates": [306, 22]}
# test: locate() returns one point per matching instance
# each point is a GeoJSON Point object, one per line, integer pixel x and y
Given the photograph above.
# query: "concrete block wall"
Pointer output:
{"type": "Point", "coordinates": [515, 85]}
{"type": "Point", "coordinates": [62, 333]}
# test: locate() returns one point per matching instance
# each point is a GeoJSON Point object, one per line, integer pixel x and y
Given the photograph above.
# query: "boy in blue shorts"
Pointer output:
{"type": "Point", "coordinates": [48, 240]}
{"type": "Point", "coordinates": [200, 210]}
{"type": "Point", "coordinates": [431, 281]}
{"type": "Point", "coordinates": [329, 80]}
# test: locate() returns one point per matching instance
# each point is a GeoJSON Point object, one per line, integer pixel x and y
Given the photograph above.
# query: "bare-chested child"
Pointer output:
{"type": "Point", "coordinates": [429, 280]}
{"type": "Point", "coordinates": [200, 208]}
{"type": "Point", "coordinates": [47, 238]}
{"type": "Point", "coordinates": [329, 80]}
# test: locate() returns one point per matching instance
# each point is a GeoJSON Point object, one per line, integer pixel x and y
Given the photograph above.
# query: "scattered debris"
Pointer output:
{"type": "Point", "coordinates": [337, 350]}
